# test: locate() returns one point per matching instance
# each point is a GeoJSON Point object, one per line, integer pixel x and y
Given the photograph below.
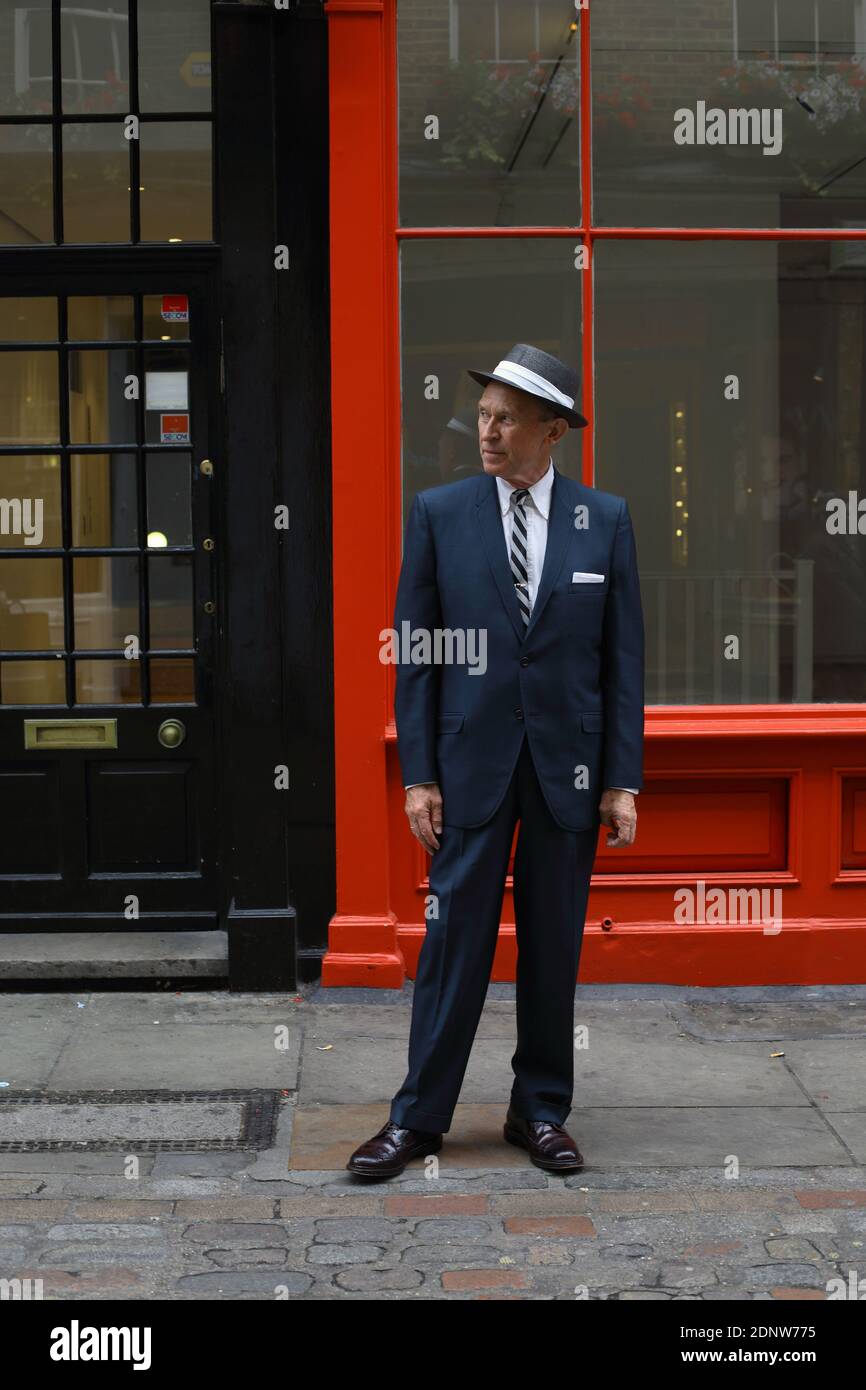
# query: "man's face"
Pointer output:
{"type": "Point", "coordinates": [515, 443]}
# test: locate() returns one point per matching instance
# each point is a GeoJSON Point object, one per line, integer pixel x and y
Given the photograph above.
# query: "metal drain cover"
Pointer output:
{"type": "Point", "coordinates": [136, 1121]}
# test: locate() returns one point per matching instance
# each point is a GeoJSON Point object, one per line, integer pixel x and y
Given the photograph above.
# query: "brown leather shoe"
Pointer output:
{"type": "Point", "coordinates": [550, 1146]}
{"type": "Point", "coordinates": [388, 1152]}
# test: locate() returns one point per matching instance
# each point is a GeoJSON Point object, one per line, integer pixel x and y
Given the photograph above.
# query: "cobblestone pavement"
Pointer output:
{"type": "Point", "coordinates": [463, 1235]}
{"type": "Point", "coordinates": [667, 1103]}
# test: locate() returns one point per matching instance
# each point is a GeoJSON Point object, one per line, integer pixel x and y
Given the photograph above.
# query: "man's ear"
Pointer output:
{"type": "Point", "coordinates": [557, 429]}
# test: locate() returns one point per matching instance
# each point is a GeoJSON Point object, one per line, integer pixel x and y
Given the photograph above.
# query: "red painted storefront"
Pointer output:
{"type": "Point", "coordinates": [745, 796]}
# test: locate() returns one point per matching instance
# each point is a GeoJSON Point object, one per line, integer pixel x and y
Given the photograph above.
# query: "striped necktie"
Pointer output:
{"type": "Point", "coordinates": [519, 549]}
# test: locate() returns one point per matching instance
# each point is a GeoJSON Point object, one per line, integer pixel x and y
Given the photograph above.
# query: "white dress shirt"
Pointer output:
{"type": "Point", "coordinates": [537, 510]}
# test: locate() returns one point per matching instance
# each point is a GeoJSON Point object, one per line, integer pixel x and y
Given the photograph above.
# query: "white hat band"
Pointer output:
{"type": "Point", "coordinates": [523, 377]}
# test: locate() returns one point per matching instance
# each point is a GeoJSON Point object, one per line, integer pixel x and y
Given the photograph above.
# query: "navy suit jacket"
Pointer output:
{"type": "Point", "coordinates": [572, 681]}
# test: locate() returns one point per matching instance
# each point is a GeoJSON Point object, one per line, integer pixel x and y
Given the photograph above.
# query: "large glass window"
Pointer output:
{"type": "Point", "coordinates": [728, 115]}
{"type": "Point", "coordinates": [727, 387]}
{"type": "Point", "coordinates": [105, 122]}
{"type": "Point", "coordinates": [731, 413]}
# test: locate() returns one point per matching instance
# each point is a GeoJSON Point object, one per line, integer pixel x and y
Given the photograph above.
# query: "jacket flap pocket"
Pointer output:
{"type": "Point", "coordinates": [593, 723]}
{"type": "Point", "coordinates": [449, 723]}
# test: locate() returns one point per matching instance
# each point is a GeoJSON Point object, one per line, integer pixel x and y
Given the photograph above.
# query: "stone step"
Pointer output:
{"type": "Point", "coordinates": [47, 955]}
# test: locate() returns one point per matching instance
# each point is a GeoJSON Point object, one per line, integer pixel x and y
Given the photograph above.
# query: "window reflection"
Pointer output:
{"type": "Point", "coordinates": [25, 58]}
{"type": "Point", "coordinates": [176, 188]}
{"type": "Point", "coordinates": [169, 515]}
{"type": "Point", "coordinates": [488, 108]}
{"type": "Point", "coordinates": [184, 30]}
{"type": "Point", "coordinates": [95, 182]}
{"type": "Point", "coordinates": [106, 602]}
{"type": "Point", "coordinates": [798, 61]}
{"type": "Point", "coordinates": [31, 604]}
{"type": "Point", "coordinates": [32, 683]}
{"type": "Point", "coordinates": [172, 681]}
{"type": "Point", "coordinates": [104, 499]}
{"type": "Point", "coordinates": [99, 316]}
{"type": "Point", "coordinates": [29, 398]}
{"type": "Point", "coordinates": [100, 411]}
{"type": "Point", "coordinates": [171, 593]}
{"type": "Point", "coordinates": [731, 379]}
{"type": "Point", "coordinates": [108, 682]}
{"type": "Point", "coordinates": [26, 189]}
{"type": "Point", "coordinates": [95, 47]}
{"type": "Point", "coordinates": [463, 304]}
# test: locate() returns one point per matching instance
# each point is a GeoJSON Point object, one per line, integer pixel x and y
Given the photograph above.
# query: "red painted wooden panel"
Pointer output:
{"type": "Point", "coordinates": [854, 823]}
{"type": "Point", "coordinates": [697, 825]}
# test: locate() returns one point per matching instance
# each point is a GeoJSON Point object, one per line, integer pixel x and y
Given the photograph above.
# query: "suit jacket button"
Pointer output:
{"type": "Point", "coordinates": [524, 661]}
{"type": "Point", "coordinates": [519, 713]}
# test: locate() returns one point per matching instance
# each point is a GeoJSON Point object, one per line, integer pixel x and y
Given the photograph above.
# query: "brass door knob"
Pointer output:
{"type": "Point", "coordinates": [171, 733]}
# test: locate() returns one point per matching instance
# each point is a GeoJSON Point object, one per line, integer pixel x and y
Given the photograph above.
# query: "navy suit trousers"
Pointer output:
{"type": "Point", "coordinates": [552, 870]}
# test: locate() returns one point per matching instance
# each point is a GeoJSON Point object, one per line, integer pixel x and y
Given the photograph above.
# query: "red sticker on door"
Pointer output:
{"type": "Point", "coordinates": [175, 308]}
{"type": "Point", "coordinates": [174, 429]}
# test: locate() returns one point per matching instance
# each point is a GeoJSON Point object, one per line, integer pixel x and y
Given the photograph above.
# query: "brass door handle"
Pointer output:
{"type": "Point", "coordinates": [171, 733]}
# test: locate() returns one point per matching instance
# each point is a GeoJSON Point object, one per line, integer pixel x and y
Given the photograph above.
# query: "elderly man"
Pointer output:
{"type": "Point", "coordinates": [549, 733]}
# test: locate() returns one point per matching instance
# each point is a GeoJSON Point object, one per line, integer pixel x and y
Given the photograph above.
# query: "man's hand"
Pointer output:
{"type": "Point", "coordinates": [617, 809]}
{"type": "Point", "coordinates": [424, 809]}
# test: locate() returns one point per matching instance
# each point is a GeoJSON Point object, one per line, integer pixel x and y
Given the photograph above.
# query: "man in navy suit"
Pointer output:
{"type": "Point", "coordinates": [520, 697]}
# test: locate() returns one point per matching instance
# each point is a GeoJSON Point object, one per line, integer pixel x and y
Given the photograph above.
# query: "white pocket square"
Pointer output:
{"type": "Point", "coordinates": [582, 577]}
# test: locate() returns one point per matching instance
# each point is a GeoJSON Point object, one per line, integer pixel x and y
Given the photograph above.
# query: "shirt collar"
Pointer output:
{"type": "Point", "coordinates": [539, 492]}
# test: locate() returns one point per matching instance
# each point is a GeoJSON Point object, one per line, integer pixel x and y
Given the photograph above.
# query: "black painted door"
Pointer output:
{"type": "Point", "coordinates": [107, 596]}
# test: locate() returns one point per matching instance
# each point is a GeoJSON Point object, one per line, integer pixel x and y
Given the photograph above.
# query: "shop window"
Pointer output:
{"type": "Point", "coordinates": [727, 385]}
{"type": "Point", "coordinates": [70, 171]}
{"type": "Point", "coordinates": [731, 412]}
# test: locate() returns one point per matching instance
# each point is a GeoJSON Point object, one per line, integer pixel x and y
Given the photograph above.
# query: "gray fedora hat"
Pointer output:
{"type": "Point", "coordinates": [539, 374]}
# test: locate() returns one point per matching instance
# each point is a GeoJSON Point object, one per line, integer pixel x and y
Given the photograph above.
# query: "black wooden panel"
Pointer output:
{"type": "Point", "coordinates": [30, 819]}
{"type": "Point", "coordinates": [141, 817]}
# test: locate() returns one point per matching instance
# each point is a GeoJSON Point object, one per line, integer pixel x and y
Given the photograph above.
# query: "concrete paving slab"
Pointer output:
{"type": "Point", "coordinates": [672, 1071]}
{"type": "Point", "coordinates": [832, 1072]}
{"type": "Point", "coordinates": [70, 1164]}
{"type": "Point", "coordinates": [851, 1129]}
{"type": "Point", "coordinates": [191, 1006]}
{"type": "Point", "coordinates": [497, 1020]}
{"type": "Point", "coordinates": [731, 1021]}
{"type": "Point", "coordinates": [704, 1136]}
{"type": "Point", "coordinates": [626, 1068]}
{"type": "Point", "coordinates": [324, 1136]}
{"type": "Point", "coordinates": [176, 1057]}
{"type": "Point", "coordinates": [33, 1037]}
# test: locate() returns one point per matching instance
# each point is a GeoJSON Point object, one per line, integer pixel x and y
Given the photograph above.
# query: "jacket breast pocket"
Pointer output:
{"type": "Point", "coordinates": [587, 590]}
{"type": "Point", "coordinates": [449, 723]}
